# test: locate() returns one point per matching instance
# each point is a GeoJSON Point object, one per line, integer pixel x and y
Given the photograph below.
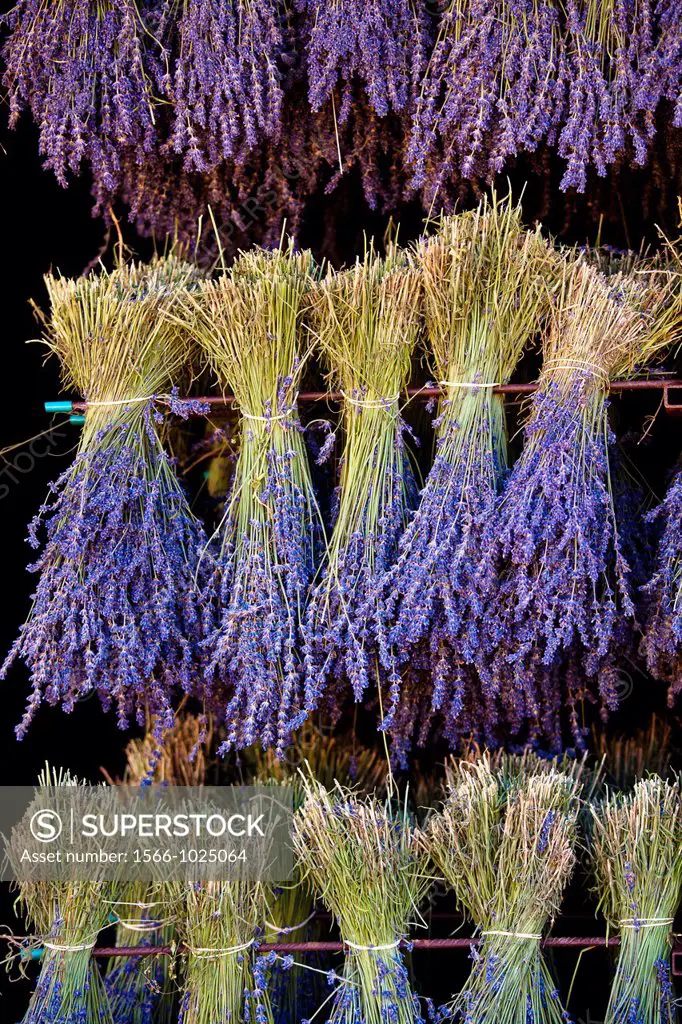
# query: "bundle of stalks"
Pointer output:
{"type": "Point", "coordinates": [183, 756]}
{"type": "Point", "coordinates": [637, 850]}
{"type": "Point", "coordinates": [555, 579]}
{"type": "Point", "coordinates": [117, 608]}
{"type": "Point", "coordinates": [504, 842]}
{"type": "Point", "coordinates": [486, 289]}
{"type": "Point", "coordinates": [248, 325]}
{"type": "Point", "coordinates": [367, 323]}
{"type": "Point", "coordinates": [222, 922]}
{"type": "Point", "coordinates": [627, 759]}
{"type": "Point", "coordinates": [140, 988]}
{"type": "Point", "coordinates": [363, 860]}
{"type": "Point", "coordinates": [66, 915]}
{"type": "Point", "coordinates": [327, 757]}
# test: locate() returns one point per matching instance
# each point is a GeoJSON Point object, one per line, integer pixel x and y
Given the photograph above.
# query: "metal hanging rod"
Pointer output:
{"type": "Point", "coordinates": [559, 942]}
{"type": "Point", "coordinates": [662, 384]}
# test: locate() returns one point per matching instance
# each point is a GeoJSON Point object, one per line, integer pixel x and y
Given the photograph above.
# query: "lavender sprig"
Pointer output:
{"type": "Point", "coordinates": [505, 843]}
{"type": "Point", "coordinates": [486, 286]}
{"type": "Point", "coordinates": [555, 581]}
{"type": "Point", "coordinates": [117, 608]}
{"type": "Point", "coordinates": [225, 84]}
{"type": "Point", "coordinates": [367, 322]}
{"type": "Point", "coordinates": [83, 70]}
{"type": "Point", "coordinates": [379, 43]}
{"type": "Point", "coordinates": [637, 857]}
{"type": "Point", "coordinates": [248, 323]}
{"type": "Point", "coordinates": [364, 862]}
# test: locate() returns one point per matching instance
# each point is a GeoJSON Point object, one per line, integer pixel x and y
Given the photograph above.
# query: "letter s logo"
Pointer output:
{"type": "Point", "coordinates": [46, 826]}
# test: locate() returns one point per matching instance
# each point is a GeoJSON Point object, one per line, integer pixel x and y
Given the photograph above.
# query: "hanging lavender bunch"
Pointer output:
{"type": "Point", "coordinates": [367, 322]}
{"type": "Point", "coordinates": [117, 607]}
{"type": "Point", "coordinates": [66, 913]}
{"type": "Point", "coordinates": [81, 69]}
{"type": "Point", "coordinates": [555, 585]}
{"type": "Point", "coordinates": [139, 988]}
{"type": "Point", "coordinates": [225, 85]}
{"type": "Point", "coordinates": [615, 83]}
{"type": "Point", "coordinates": [493, 88]}
{"type": "Point", "coordinates": [505, 843]}
{"type": "Point", "coordinates": [637, 858]}
{"type": "Point", "coordinates": [222, 980]}
{"type": "Point", "coordinates": [486, 284]}
{"type": "Point", "coordinates": [363, 859]}
{"type": "Point", "coordinates": [662, 639]}
{"type": "Point", "coordinates": [248, 324]}
{"type": "Point", "coordinates": [379, 43]}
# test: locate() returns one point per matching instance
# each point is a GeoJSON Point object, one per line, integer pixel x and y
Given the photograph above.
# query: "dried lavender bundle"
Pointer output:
{"type": "Point", "coordinates": [220, 928]}
{"type": "Point", "coordinates": [381, 44]}
{"type": "Point", "coordinates": [139, 988]}
{"type": "Point", "coordinates": [367, 322]}
{"type": "Point", "coordinates": [504, 842]}
{"type": "Point", "coordinates": [618, 72]}
{"type": "Point", "coordinates": [662, 637]}
{"type": "Point", "coordinates": [474, 264]}
{"type": "Point", "coordinates": [225, 84]}
{"type": "Point", "coordinates": [117, 607]}
{"type": "Point", "coordinates": [637, 856]}
{"type": "Point", "coordinates": [82, 70]}
{"type": "Point", "coordinates": [555, 583]}
{"type": "Point", "coordinates": [364, 862]}
{"type": "Point", "coordinates": [493, 88]}
{"type": "Point", "coordinates": [248, 324]}
{"type": "Point", "coordinates": [67, 916]}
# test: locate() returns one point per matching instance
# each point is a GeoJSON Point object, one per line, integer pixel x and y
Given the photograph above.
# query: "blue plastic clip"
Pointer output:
{"type": "Point", "coordinates": [33, 954]}
{"type": "Point", "coordinates": [77, 419]}
{"type": "Point", "coordinates": [58, 406]}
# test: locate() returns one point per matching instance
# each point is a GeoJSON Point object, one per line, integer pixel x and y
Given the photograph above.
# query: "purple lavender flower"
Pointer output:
{"type": "Point", "coordinates": [82, 69]}
{"type": "Point", "coordinates": [225, 85]}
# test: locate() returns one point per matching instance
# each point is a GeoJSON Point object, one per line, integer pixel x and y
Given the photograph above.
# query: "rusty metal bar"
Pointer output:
{"type": "Point", "coordinates": [647, 384]}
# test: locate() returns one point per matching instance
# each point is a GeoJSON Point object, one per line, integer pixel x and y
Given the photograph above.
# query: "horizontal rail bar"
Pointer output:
{"type": "Point", "coordinates": [225, 401]}
{"type": "Point", "coordinates": [557, 942]}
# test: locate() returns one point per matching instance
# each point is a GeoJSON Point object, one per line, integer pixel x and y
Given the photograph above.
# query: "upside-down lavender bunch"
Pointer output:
{"type": "Point", "coordinates": [364, 861]}
{"type": "Point", "coordinates": [504, 842]}
{"type": "Point", "coordinates": [225, 83]}
{"type": "Point", "coordinates": [486, 286]}
{"type": "Point", "coordinates": [637, 857]}
{"type": "Point", "coordinates": [379, 43]}
{"type": "Point", "coordinates": [493, 88]}
{"type": "Point", "coordinates": [220, 927]}
{"type": "Point", "coordinates": [67, 915]}
{"type": "Point", "coordinates": [117, 608]}
{"type": "Point", "coordinates": [327, 758]}
{"type": "Point", "coordinates": [662, 638]}
{"type": "Point", "coordinates": [367, 322]}
{"type": "Point", "coordinates": [248, 323]}
{"type": "Point", "coordinates": [558, 602]}
{"type": "Point", "coordinates": [621, 62]}
{"type": "Point", "coordinates": [139, 987]}
{"type": "Point", "coordinates": [82, 70]}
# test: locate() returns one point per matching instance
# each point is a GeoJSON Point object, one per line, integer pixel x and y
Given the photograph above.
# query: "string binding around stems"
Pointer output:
{"type": "Point", "coordinates": [288, 929]}
{"type": "Point", "coordinates": [651, 922]}
{"type": "Point", "coordinates": [144, 926]}
{"type": "Point", "coordinates": [207, 952]}
{"type": "Point", "coordinates": [582, 365]}
{"type": "Point", "coordinates": [466, 384]}
{"type": "Point", "coordinates": [534, 936]}
{"type": "Point", "coordinates": [373, 403]}
{"type": "Point", "coordinates": [372, 949]}
{"type": "Point", "coordinates": [58, 948]}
